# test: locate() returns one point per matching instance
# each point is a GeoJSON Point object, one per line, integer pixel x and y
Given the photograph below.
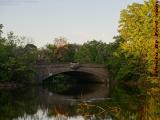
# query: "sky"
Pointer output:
{"type": "Point", "coordinates": [76, 20]}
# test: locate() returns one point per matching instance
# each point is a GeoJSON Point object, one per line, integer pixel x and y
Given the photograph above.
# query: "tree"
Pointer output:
{"type": "Point", "coordinates": [60, 51]}
{"type": "Point", "coordinates": [92, 52]}
{"type": "Point", "coordinates": [16, 60]}
{"type": "Point", "coordinates": [1, 26]}
{"type": "Point", "coordinates": [65, 53]}
{"type": "Point", "coordinates": [136, 27]}
{"type": "Point", "coordinates": [50, 53]}
{"type": "Point", "coordinates": [59, 42]}
{"type": "Point", "coordinates": [71, 51]}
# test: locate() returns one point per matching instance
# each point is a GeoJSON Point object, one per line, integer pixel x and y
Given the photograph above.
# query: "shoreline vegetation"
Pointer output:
{"type": "Point", "coordinates": [10, 85]}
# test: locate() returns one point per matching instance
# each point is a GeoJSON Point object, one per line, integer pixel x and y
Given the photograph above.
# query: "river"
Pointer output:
{"type": "Point", "coordinates": [69, 101]}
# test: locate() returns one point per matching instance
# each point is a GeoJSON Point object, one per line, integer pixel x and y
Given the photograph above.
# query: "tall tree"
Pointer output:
{"type": "Point", "coordinates": [136, 26]}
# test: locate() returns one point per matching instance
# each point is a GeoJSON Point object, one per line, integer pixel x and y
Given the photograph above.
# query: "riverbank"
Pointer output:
{"type": "Point", "coordinates": [10, 85]}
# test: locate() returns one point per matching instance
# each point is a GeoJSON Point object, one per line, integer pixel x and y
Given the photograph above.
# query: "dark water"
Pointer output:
{"type": "Point", "coordinates": [70, 99]}
{"type": "Point", "coordinates": [38, 102]}
{"type": "Point", "coordinates": [83, 101]}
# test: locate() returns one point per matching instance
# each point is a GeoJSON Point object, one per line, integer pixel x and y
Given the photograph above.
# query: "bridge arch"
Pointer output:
{"type": "Point", "coordinates": [45, 71]}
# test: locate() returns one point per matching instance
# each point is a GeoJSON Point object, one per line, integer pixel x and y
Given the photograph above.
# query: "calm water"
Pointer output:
{"type": "Point", "coordinates": [83, 101]}
{"type": "Point", "coordinates": [74, 97]}
{"type": "Point", "coordinates": [38, 102]}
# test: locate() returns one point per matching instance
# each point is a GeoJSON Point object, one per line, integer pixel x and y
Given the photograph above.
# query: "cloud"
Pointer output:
{"type": "Point", "coordinates": [16, 2]}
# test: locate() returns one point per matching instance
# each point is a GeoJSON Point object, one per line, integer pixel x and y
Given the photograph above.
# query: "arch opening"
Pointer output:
{"type": "Point", "coordinates": [79, 76]}
{"type": "Point", "coordinates": [73, 82]}
{"type": "Point", "coordinates": [83, 77]}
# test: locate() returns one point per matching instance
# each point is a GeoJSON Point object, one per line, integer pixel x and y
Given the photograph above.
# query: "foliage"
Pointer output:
{"type": "Point", "coordinates": [63, 54]}
{"type": "Point", "coordinates": [136, 26]}
{"type": "Point", "coordinates": [59, 42]}
{"type": "Point", "coordinates": [92, 52]}
{"type": "Point", "coordinates": [15, 59]}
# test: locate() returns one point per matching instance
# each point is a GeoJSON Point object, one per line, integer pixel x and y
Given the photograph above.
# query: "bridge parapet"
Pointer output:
{"type": "Point", "coordinates": [69, 64]}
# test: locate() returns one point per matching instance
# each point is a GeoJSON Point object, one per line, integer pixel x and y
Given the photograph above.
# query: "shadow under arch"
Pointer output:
{"type": "Point", "coordinates": [80, 76]}
{"type": "Point", "coordinates": [72, 83]}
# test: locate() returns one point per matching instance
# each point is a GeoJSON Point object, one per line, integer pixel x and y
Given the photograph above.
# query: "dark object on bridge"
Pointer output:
{"type": "Point", "coordinates": [74, 65]}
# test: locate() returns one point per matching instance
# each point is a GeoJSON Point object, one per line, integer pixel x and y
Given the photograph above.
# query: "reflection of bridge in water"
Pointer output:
{"type": "Point", "coordinates": [65, 104]}
{"type": "Point", "coordinates": [97, 91]}
{"type": "Point", "coordinates": [44, 71]}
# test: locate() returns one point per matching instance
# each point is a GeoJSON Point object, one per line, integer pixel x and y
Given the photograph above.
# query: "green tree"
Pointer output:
{"type": "Point", "coordinates": [60, 54]}
{"type": "Point", "coordinates": [16, 60]}
{"type": "Point", "coordinates": [92, 52]}
{"type": "Point", "coordinates": [136, 27]}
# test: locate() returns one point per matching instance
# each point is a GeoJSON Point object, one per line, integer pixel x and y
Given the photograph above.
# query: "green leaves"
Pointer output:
{"type": "Point", "coordinates": [15, 60]}
{"type": "Point", "coordinates": [59, 54]}
{"type": "Point", "coordinates": [92, 52]}
{"type": "Point", "coordinates": [136, 26]}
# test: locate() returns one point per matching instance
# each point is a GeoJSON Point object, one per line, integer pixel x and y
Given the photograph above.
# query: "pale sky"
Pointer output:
{"type": "Point", "coordinates": [77, 20]}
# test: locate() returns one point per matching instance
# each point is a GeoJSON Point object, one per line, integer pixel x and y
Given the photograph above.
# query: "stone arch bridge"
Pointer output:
{"type": "Point", "coordinates": [44, 71]}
